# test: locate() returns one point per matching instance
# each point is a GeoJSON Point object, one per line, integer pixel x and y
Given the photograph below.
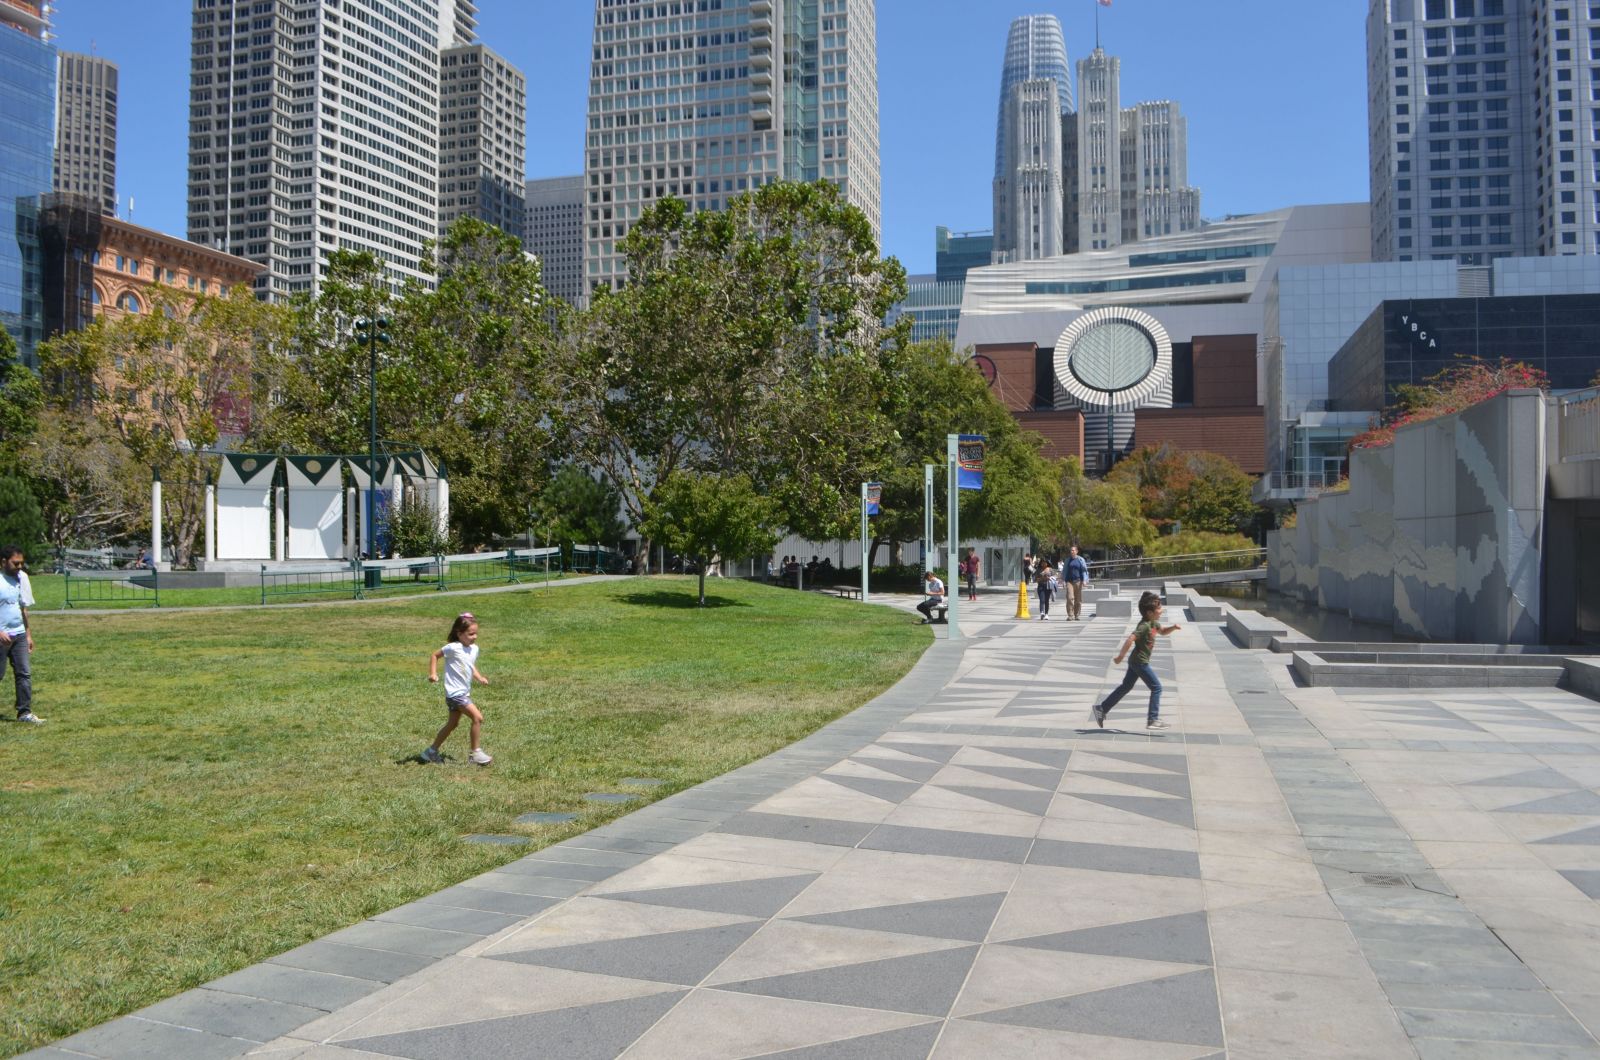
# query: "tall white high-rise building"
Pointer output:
{"type": "Point", "coordinates": [1035, 91]}
{"type": "Point", "coordinates": [483, 138]}
{"type": "Point", "coordinates": [1126, 168]}
{"type": "Point", "coordinates": [86, 129]}
{"type": "Point", "coordinates": [700, 104]}
{"type": "Point", "coordinates": [1483, 131]}
{"type": "Point", "coordinates": [315, 127]}
{"type": "Point", "coordinates": [553, 232]}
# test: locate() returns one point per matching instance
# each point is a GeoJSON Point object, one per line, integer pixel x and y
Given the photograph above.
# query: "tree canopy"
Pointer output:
{"type": "Point", "coordinates": [1200, 490]}
{"type": "Point", "coordinates": [709, 517]}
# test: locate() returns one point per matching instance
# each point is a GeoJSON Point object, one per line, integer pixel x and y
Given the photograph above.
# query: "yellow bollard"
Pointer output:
{"type": "Point", "coordinates": [1022, 598]}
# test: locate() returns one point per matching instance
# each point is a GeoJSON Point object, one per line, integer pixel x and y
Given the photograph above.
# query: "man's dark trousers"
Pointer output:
{"type": "Point", "coordinates": [16, 653]}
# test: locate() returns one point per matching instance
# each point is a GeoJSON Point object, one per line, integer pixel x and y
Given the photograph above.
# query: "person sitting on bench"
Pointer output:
{"type": "Point", "coordinates": [935, 590]}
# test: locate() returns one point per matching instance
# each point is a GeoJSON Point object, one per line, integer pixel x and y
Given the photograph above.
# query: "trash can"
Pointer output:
{"type": "Point", "coordinates": [372, 577]}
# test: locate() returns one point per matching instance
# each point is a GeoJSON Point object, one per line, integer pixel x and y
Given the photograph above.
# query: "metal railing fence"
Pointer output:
{"type": "Point", "coordinates": [112, 588]}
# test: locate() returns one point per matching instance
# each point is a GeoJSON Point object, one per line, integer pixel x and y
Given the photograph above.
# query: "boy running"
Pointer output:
{"type": "Point", "coordinates": [1142, 642]}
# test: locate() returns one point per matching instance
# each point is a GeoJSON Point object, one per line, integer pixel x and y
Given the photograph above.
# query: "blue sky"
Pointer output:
{"type": "Point", "coordinates": [1274, 91]}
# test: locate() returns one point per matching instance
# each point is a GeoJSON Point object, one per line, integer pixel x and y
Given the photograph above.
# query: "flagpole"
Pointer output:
{"type": "Point", "coordinates": [865, 546]}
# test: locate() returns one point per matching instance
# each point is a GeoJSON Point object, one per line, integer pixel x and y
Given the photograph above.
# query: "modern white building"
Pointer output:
{"type": "Point", "coordinates": [315, 128]}
{"type": "Point", "coordinates": [553, 232]}
{"type": "Point", "coordinates": [483, 138]}
{"type": "Point", "coordinates": [1035, 91]}
{"type": "Point", "coordinates": [704, 102]}
{"type": "Point", "coordinates": [86, 129]}
{"type": "Point", "coordinates": [1483, 128]}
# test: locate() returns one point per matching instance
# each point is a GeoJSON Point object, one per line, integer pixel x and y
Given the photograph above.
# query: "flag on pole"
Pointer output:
{"type": "Point", "coordinates": [874, 494]}
{"type": "Point", "coordinates": [1105, 3]}
{"type": "Point", "coordinates": [969, 462]}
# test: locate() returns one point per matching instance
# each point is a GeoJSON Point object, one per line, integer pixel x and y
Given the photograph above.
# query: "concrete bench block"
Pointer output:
{"type": "Point", "coordinates": [1204, 609]}
{"type": "Point", "coordinates": [1113, 608]}
{"type": "Point", "coordinates": [1253, 629]}
{"type": "Point", "coordinates": [1583, 677]}
{"type": "Point", "coordinates": [1097, 593]}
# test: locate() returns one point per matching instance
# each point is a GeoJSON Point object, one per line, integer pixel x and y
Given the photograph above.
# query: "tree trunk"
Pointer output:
{"type": "Point", "coordinates": [702, 565]}
{"type": "Point", "coordinates": [896, 553]}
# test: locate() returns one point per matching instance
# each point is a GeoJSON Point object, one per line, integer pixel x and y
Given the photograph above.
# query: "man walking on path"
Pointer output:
{"type": "Point", "coordinates": [16, 639]}
{"type": "Point", "coordinates": [1077, 575]}
{"type": "Point", "coordinates": [935, 590]}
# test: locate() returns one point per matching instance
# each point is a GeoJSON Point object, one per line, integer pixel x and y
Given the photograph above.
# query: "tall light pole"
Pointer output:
{"type": "Point", "coordinates": [370, 333]}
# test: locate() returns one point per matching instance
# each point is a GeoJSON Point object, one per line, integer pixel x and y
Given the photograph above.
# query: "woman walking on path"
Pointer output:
{"type": "Point", "coordinates": [460, 655]}
{"type": "Point", "coordinates": [1045, 582]}
{"type": "Point", "coordinates": [1142, 641]}
{"type": "Point", "coordinates": [969, 567]}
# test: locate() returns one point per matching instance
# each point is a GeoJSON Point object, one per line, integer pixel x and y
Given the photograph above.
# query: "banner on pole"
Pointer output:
{"type": "Point", "coordinates": [874, 494]}
{"type": "Point", "coordinates": [969, 462]}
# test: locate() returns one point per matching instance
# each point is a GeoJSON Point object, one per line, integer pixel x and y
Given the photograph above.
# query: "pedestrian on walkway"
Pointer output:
{"type": "Point", "coordinates": [1077, 577]}
{"type": "Point", "coordinates": [1142, 641]}
{"type": "Point", "coordinates": [16, 635]}
{"type": "Point", "coordinates": [969, 567]}
{"type": "Point", "coordinates": [935, 590]}
{"type": "Point", "coordinates": [460, 655]}
{"type": "Point", "coordinates": [1045, 583]}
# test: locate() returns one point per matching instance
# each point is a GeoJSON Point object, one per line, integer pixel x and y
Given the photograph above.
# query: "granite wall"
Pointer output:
{"type": "Point", "coordinates": [1438, 536]}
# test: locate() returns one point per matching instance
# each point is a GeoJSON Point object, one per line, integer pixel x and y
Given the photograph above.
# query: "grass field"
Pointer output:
{"type": "Point", "coordinates": [214, 788]}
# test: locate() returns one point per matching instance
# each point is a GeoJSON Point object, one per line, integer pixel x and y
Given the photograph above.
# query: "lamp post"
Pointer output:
{"type": "Point", "coordinates": [370, 333]}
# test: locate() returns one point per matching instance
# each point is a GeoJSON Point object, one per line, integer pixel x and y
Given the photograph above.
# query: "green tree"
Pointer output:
{"type": "Point", "coordinates": [1200, 490]}
{"type": "Point", "coordinates": [943, 395]}
{"type": "Point", "coordinates": [710, 517]}
{"type": "Point", "coordinates": [21, 401]}
{"type": "Point", "coordinates": [747, 341]}
{"type": "Point", "coordinates": [90, 487]}
{"type": "Point", "coordinates": [577, 508]}
{"type": "Point", "coordinates": [166, 379]}
{"type": "Point", "coordinates": [463, 376]}
{"type": "Point", "coordinates": [1099, 513]}
{"type": "Point", "coordinates": [20, 520]}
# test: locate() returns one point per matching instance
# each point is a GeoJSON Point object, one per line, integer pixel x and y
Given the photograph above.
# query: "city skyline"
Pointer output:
{"type": "Point", "coordinates": [1286, 126]}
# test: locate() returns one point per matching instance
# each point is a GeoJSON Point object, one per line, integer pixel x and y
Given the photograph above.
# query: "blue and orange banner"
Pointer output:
{"type": "Point", "coordinates": [874, 495]}
{"type": "Point", "coordinates": [969, 461]}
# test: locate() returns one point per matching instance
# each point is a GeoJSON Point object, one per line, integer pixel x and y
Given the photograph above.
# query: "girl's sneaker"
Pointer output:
{"type": "Point", "coordinates": [431, 754]}
{"type": "Point", "coordinates": [478, 757]}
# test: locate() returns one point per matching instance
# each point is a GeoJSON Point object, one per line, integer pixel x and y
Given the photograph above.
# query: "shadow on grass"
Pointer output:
{"type": "Point", "coordinates": [681, 601]}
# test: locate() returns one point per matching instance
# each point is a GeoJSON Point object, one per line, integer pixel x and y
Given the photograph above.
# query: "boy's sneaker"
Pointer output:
{"type": "Point", "coordinates": [28, 717]}
{"type": "Point", "coordinates": [1156, 723]}
{"type": "Point", "coordinates": [478, 757]}
{"type": "Point", "coordinates": [1100, 716]}
{"type": "Point", "coordinates": [431, 754]}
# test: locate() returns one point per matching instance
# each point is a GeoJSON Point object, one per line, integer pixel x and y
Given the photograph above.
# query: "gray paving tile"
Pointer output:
{"type": "Point", "coordinates": [1171, 811]}
{"type": "Point", "coordinates": [1038, 777]}
{"type": "Point", "coordinates": [921, 772]}
{"type": "Point", "coordinates": [497, 840]}
{"type": "Point", "coordinates": [491, 901]}
{"type": "Point", "coordinates": [135, 1037]}
{"type": "Point", "coordinates": [403, 938]}
{"type": "Point", "coordinates": [539, 865]}
{"type": "Point", "coordinates": [1532, 778]}
{"type": "Point", "coordinates": [596, 841]}
{"type": "Point", "coordinates": [1034, 802]}
{"type": "Point", "coordinates": [1106, 857]}
{"type": "Point", "coordinates": [903, 839]}
{"type": "Point", "coordinates": [1585, 880]}
{"type": "Point", "coordinates": [296, 986]}
{"type": "Point", "coordinates": [1474, 999]}
{"type": "Point", "coordinates": [679, 957]}
{"type": "Point", "coordinates": [1172, 763]}
{"type": "Point", "coordinates": [763, 898]}
{"type": "Point", "coordinates": [357, 961]}
{"type": "Point", "coordinates": [923, 983]}
{"type": "Point", "coordinates": [801, 829]}
{"type": "Point", "coordinates": [546, 817]}
{"type": "Point", "coordinates": [1183, 939]}
{"type": "Point", "coordinates": [449, 918]}
{"type": "Point", "coordinates": [1503, 1027]}
{"type": "Point", "coordinates": [1583, 837]}
{"type": "Point", "coordinates": [1494, 977]}
{"type": "Point", "coordinates": [933, 752]}
{"type": "Point", "coordinates": [1166, 783]}
{"type": "Point", "coordinates": [1180, 1008]}
{"type": "Point", "coordinates": [1577, 802]}
{"type": "Point", "coordinates": [231, 1015]}
{"type": "Point", "coordinates": [586, 1032]}
{"type": "Point", "coordinates": [521, 883]}
{"type": "Point", "coordinates": [887, 790]}
{"type": "Point", "coordinates": [966, 919]}
{"type": "Point", "coordinates": [908, 1043]}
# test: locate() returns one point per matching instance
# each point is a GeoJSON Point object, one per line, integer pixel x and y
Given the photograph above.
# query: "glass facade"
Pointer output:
{"type": "Point", "coordinates": [27, 127]}
{"type": "Point", "coordinates": [956, 252]}
{"type": "Point", "coordinates": [1035, 51]}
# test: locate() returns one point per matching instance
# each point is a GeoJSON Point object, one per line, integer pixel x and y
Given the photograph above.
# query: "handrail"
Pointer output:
{"type": "Point", "coordinates": [1187, 563]}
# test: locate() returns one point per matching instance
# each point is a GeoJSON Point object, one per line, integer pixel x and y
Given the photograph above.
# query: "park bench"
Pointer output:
{"type": "Point", "coordinates": [938, 611]}
{"type": "Point", "coordinates": [847, 592]}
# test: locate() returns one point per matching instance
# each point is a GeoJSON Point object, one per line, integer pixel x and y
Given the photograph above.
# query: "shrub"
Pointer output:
{"type": "Point", "coordinates": [21, 522]}
{"type": "Point", "coordinates": [1468, 382]}
{"type": "Point", "coordinates": [1190, 542]}
{"type": "Point", "coordinates": [414, 530]}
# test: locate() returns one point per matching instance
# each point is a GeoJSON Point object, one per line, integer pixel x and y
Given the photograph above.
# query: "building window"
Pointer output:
{"type": "Point", "coordinates": [128, 302]}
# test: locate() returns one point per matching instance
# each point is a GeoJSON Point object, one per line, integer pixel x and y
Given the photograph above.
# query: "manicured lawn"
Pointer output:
{"type": "Point", "coordinates": [50, 593]}
{"type": "Point", "coordinates": [214, 788]}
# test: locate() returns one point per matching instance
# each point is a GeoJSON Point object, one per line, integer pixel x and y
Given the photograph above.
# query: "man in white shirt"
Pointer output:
{"type": "Point", "coordinates": [935, 591]}
{"type": "Point", "coordinates": [16, 638]}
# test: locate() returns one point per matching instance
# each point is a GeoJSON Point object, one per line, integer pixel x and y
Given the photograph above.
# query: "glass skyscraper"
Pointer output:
{"type": "Point", "coordinates": [27, 126]}
{"type": "Point", "coordinates": [1035, 51]}
{"type": "Point", "coordinates": [1035, 92]}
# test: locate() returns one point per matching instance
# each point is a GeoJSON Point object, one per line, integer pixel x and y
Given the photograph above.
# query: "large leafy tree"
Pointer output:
{"type": "Point", "coordinates": [577, 508]}
{"type": "Point", "coordinates": [21, 401]}
{"type": "Point", "coordinates": [463, 375]}
{"type": "Point", "coordinates": [710, 517]}
{"type": "Point", "coordinates": [1100, 513]}
{"type": "Point", "coordinates": [166, 379]}
{"type": "Point", "coordinates": [1200, 490]}
{"type": "Point", "coordinates": [747, 341]}
{"type": "Point", "coordinates": [944, 395]}
{"type": "Point", "coordinates": [89, 485]}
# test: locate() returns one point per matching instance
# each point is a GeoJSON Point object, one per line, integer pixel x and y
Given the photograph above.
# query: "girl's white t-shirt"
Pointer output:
{"type": "Point", "coordinates": [459, 662]}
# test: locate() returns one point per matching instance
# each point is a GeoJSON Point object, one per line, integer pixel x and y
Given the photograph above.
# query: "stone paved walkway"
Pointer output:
{"type": "Point", "coordinates": [968, 868]}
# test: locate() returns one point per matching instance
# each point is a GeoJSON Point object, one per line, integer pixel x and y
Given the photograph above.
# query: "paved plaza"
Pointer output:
{"type": "Point", "coordinates": [967, 867]}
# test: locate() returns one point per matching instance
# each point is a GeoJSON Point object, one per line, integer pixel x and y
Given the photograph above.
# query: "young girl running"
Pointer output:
{"type": "Point", "coordinates": [1142, 641]}
{"type": "Point", "coordinates": [460, 655]}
